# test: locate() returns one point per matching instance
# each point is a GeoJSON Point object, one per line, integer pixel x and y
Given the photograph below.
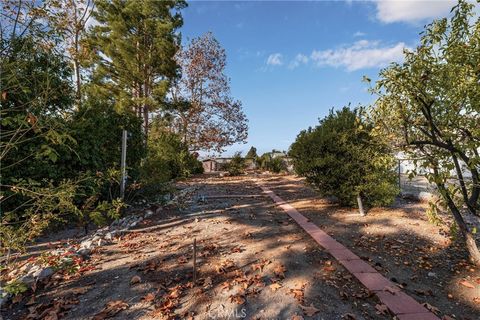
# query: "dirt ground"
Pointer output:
{"type": "Point", "coordinates": [254, 262]}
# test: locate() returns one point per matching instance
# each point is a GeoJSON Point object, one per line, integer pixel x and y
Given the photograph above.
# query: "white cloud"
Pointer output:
{"type": "Point", "coordinates": [412, 11]}
{"type": "Point", "coordinates": [362, 54]}
{"type": "Point", "coordinates": [299, 59]}
{"type": "Point", "coordinates": [359, 34]}
{"type": "Point", "coordinates": [275, 59]}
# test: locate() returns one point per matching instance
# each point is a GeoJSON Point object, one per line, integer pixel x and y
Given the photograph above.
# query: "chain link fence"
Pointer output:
{"type": "Point", "coordinates": [418, 186]}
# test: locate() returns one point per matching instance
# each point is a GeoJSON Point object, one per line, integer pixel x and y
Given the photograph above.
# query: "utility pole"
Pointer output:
{"type": "Point", "coordinates": [123, 164]}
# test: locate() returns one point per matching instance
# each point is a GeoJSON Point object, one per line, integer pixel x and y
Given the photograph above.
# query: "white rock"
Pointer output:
{"type": "Point", "coordinates": [86, 244]}
{"type": "Point", "coordinates": [45, 273]}
{"type": "Point", "coordinates": [432, 274]}
{"type": "Point", "coordinates": [108, 236]}
{"type": "Point", "coordinates": [148, 213]}
{"type": "Point", "coordinates": [27, 279]}
{"type": "Point", "coordinates": [84, 252]}
{"type": "Point", "coordinates": [33, 270]}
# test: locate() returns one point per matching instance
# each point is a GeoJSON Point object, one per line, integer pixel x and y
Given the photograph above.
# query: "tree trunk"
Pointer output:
{"type": "Point", "coordinates": [78, 94]}
{"type": "Point", "coordinates": [145, 122]}
{"type": "Point", "coordinates": [470, 243]}
{"type": "Point", "coordinates": [472, 248]}
{"type": "Point", "coordinates": [76, 66]}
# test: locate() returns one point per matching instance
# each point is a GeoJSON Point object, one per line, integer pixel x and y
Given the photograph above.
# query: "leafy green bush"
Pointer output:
{"type": "Point", "coordinates": [167, 158]}
{"type": "Point", "coordinates": [270, 163]}
{"type": "Point", "coordinates": [343, 157]}
{"type": "Point", "coordinates": [237, 165]}
{"type": "Point", "coordinates": [78, 199]}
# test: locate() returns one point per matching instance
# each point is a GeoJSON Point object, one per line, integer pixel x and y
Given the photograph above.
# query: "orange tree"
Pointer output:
{"type": "Point", "coordinates": [430, 106]}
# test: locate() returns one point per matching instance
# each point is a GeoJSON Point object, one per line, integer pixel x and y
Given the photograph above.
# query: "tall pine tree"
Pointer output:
{"type": "Point", "coordinates": [134, 44]}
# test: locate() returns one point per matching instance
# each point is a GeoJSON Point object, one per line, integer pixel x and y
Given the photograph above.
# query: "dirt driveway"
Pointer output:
{"type": "Point", "coordinates": [254, 262]}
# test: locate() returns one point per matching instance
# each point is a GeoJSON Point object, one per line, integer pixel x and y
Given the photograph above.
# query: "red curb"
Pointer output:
{"type": "Point", "coordinates": [343, 254]}
{"type": "Point", "coordinates": [356, 266]}
{"type": "Point", "coordinates": [374, 281]}
{"type": "Point", "coordinates": [401, 304]}
{"type": "Point", "coordinates": [417, 316]}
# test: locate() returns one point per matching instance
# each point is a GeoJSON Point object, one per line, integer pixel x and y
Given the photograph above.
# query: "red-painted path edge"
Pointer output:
{"type": "Point", "coordinates": [399, 303]}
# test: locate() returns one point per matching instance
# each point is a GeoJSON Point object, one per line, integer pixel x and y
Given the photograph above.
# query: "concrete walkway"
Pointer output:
{"type": "Point", "coordinates": [400, 304]}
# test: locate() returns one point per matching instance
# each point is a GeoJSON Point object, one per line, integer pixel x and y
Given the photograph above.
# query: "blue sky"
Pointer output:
{"type": "Point", "coordinates": [291, 61]}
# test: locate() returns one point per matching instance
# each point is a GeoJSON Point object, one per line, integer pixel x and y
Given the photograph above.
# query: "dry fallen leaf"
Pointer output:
{"type": "Point", "coordinates": [392, 290]}
{"type": "Point", "coordinates": [297, 294]}
{"type": "Point", "coordinates": [467, 284]}
{"type": "Point", "coordinates": [208, 282]}
{"type": "Point", "coordinates": [310, 310]}
{"type": "Point", "coordinates": [381, 309]}
{"type": "Point", "coordinates": [135, 279]}
{"type": "Point", "coordinates": [148, 297]}
{"type": "Point", "coordinates": [111, 309]}
{"type": "Point", "coordinates": [237, 298]}
{"type": "Point", "coordinates": [182, 259]}
{"type": "Point", "coordinates": [80, 290]}
{"type": "Point", "coordinates": [275, 286]}
{"type": "Point", "coordinates": [280, 271]}
{"type": "Point", "coordinates": [430, 307]}
{"type": "Point", "coordinates": [297, 317]}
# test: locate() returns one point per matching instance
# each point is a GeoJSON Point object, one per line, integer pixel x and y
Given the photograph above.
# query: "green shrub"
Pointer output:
{"type": "Point", "coordinates": [272, 164]}
{"type": "Point", "coordinates": [167, 158]}
{"type": "Point", "coordinates": [344, 158]}
{"type": "Point", "coordinates": [237, 165]}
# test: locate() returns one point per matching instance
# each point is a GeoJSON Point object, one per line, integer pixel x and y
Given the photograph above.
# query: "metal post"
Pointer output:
{"type": "Point", "coordinates": [194, 261]}
{"type": "Point", "coordinates": [360, 205]}
{"type": "Point", "coordinates": [123, 164]}
{"type": "Point", "coordinates": [400, 176]}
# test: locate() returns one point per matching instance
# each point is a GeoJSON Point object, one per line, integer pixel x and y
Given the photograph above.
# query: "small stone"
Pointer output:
{"type": "Point", "coordinates": [432, 274]}
{"type": "Point", "coordinates": [148, 213]}
{"type": "Point", "coordinates": [27, 279]}
{"type": "Point", "coordinates": [84, 252]}
{"type": "Point", "coordinates": [135, 279]}
{"type": "Point", "coordinates": [32, 271]}
{"type": "Point", "coordinates": [45, 273]}
{"type": "Point", "coordinates": [86, 244]}
{"type": "Point", "coordinates": [108, 236]}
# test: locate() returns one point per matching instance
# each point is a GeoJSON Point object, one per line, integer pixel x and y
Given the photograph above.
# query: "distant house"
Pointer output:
{"type": "Point", "coordinates": [209, 165]}
{"type": "Point", "coordinates": [215, 164]}
{"type": "Point", "coordinates": [218, 164]}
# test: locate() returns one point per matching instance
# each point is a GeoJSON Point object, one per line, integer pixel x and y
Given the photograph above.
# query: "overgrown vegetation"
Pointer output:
{"type": "Point", "coordinates": [429, 106]}
{"type": "Point", "coordinates": [236, 166]}
{"type": "Point", "coordinates": [270, 162]}
{"type": "Point", "coordinates": [344, 157]}
{"type": "Point", "coordinates": [67, 92]}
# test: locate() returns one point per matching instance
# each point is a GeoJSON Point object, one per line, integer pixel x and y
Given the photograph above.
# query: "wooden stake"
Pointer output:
{"type": "Point", "coordinates": [194, 260]}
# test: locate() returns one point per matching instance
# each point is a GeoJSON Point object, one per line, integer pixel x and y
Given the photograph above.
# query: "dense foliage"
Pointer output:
{"type": "Point", "coordinates": [252, 153]}
{"type": "Point", "coordinates": [237, 165]}
{"type": "Point", "coordinates": [269, 162]}
{"type": "Point", "coordinates": [168, 158]}
{"type": "Point", "coordinates": [205, 115]}
{"type": "Point", "coordinates": [430, 106]}
{"type": "Point", "coordinates": [343, 157]}
{"type": "Point", "coordinates": [67, 92]}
